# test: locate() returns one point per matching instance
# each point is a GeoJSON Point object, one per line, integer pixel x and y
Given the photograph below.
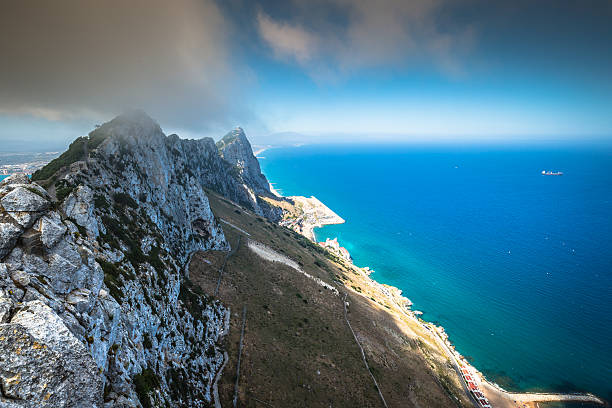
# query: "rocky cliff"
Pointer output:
{"type": "Point", "coordinates": [235, 149]}
{"type": "Point", "coordinates": [96, 306]}
{"type": "Point", "coordinates": [106, 259]}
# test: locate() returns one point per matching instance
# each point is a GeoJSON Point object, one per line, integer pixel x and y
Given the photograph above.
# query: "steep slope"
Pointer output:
{"type": "Point", "coordinates": [94, 285]}
{"type": "Point", "coordinates": [117, 280]}
{"type": "Point", "coordinates": [298, 349]}
{"type": "Point", "coordinates": [236, 150]}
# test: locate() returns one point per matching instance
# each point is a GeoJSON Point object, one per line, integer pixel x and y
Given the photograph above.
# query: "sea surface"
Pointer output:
{"type": "Point", "coordinates": [515, 265]}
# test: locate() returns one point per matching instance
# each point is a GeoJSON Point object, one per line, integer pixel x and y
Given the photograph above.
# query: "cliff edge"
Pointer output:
{"type": "Point", "coordinates": [235, 149]}
{"type": "Point", "coordinates": [96, 306]}
{"type": "Point", "coordinates": [109, 258]}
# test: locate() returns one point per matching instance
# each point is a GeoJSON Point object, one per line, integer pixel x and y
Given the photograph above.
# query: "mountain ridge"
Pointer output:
{"type": "Point", "coordinates": [236, 149]}
{"type": "Point", "coordinates": [105, 263]}
{"type": "Point", "coordinates": [103, 259]}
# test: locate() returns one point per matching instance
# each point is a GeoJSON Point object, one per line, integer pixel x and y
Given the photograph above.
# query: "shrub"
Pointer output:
{"type": "Point", "coordinates": [145, 383]}
{"type": "Point", "coordinates": [194, 299]}
{"type": "Point", "coordinates": [96, 138]}
{"type": "Point", "coordinates": [112, 278]}
{"type": "Point", "coordinates": [100, 202]}
{"type": "Point", "coordinates": [146, 342]}
{"type": "Point", "coordinates": [62, 192]}
{"type": "Point", "coordinates": [155, 260]}
{"type": "Point", "coordinates": [124, 199]}
{"type": "Point", "coordinates": [117, 229]}
{"type": "Point", "coordinates": [75, 152]}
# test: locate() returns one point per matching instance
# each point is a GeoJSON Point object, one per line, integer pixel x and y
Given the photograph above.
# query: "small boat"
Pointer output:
{"type": "Point", "coordinates": [552, 173]}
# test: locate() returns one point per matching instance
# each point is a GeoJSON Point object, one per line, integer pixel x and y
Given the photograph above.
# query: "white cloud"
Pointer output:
{"type": "Point", "coordinates": [332, 38]}
{"type": "Point", "coordinates": [286, 40]}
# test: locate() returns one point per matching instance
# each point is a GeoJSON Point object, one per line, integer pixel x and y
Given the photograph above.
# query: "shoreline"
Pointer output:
{"type": "Point", "coordinates": [493, 394]}
{"type": "Point", "coordinates": [312, 214]}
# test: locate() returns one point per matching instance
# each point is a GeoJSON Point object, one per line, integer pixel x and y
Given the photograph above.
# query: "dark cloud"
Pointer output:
{"type": "Point", "coordinates": [72, 58]}
{"type": "Point", "coordinates": [194, 64]}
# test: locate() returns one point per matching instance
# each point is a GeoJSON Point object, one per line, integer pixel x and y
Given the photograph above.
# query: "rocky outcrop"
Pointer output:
{"type": "Point", "coordinates": [96, 306]}
{"type": "Point", "coordinates": [236, 150]}
{"type": "Point", "coordinates": [44, 364]}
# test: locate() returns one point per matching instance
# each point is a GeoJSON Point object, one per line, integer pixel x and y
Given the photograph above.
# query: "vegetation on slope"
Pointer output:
{"type": "Point", "coordinates": [226, 140]}
{"type": "Point", "coordinates": [75, 152]}
{"type": "Point", "coordinates": [298, 349]}
{"type": "Point", "coordinates": [145, 383]}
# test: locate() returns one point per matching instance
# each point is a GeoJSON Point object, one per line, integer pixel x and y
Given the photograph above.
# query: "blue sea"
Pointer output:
{"type": "Point", "coordinates": [515, 265]}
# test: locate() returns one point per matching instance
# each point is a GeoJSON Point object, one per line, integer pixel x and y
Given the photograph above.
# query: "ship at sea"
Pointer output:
{"type": "Point", "coordinates": [552, 173]}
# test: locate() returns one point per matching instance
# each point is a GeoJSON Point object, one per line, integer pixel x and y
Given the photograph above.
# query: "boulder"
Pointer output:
{"type": "Point", "coordinates": [9, 233]}
{"type": "Point", "coordinates": [44, 364]}
{"type": "Point", "coordinates": [79, 206]}
{"type": "Point", "coordinates": [51, 229]}
{"type": "Point", "coordinates": [80, 299]}
{"type": "Point", "coordinates": [22, 199]}
{"type": "Point", "coordinates": [33, 187]}
{"type": "Point", "coordinates": [15, 179]}
{"type": "Point", "coordinates": [21, 278]}
{"type": "Point", "coordinates": [25, 219]}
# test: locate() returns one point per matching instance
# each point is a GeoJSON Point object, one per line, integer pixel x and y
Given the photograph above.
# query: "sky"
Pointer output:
{"type": "Point", "coordinates": [308, 71]}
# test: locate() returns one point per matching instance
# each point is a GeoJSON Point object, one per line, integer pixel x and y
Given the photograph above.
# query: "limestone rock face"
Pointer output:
{"type": "Point", "coordinates": [94, 293]}
{"type": "Point", "coordinates": [15, 179]}
{"type": "Point", "coordinates": [236, 150]}
{"type": "Point", "coordinates": [9, 232]}
{"type": "Point", "coordinates": [23, 205]}
{"type": "Point", "coordinates": [21, 199]}
{"type": "Point", "coordinates": [44, 364]}
{"type": "Point", "coordinates": [51, 229]}
{"type": "Point", "coordinates": [79, 206]}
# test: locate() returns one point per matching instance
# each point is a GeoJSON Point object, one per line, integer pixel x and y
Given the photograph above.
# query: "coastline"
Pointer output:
{"type": "Point", "coordinates": [483, 392]}
{"type": "Point", "coordinates": [306, 214]}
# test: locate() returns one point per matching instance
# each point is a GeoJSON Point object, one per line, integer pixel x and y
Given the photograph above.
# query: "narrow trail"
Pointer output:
{"type": "Point", "coordinates": [215, 387]}
{"type": "Point", "coordinates": [363, 356]}
{"type": "Point", "coordinates": [232, 252]}
{"type": "Point", "coordinates": [235, 227]}
{"type": "Point", "coordinates": [244, 310]}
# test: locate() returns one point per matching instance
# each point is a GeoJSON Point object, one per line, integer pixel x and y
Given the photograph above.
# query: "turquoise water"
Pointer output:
{"type": "Point", "coordinates": [515, 265]}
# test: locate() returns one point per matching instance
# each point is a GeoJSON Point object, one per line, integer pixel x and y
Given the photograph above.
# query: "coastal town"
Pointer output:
{"type": "Point", "coordinates": [22, 168]}
{"type": "Point", "coordinates": [24, 163]}
{"type": "Point", "coordinates": [333, 246]}
{"type": "Point", "coordinates": [311, 213]}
